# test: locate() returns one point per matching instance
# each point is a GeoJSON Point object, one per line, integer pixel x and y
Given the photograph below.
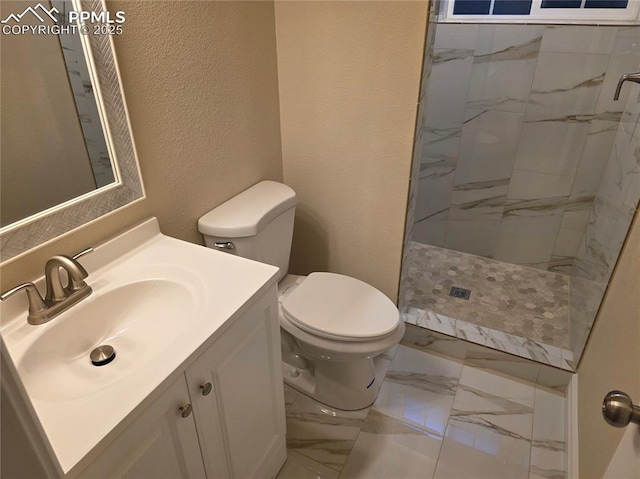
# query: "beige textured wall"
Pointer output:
{"type": "Point", "coordinates": [349, 79]}
{"type": "Point", "coordinates": [202, 89]}
{"type": "Point", "coordinates": [611, 360]}
{"type": "Point", "coordinates": [42, 141]}
{"type": "Point", "coordinates": [202, 86]}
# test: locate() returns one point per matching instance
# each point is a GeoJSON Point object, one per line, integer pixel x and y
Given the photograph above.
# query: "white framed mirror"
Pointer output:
{"type": "Point", "coordinates": [106, 150]}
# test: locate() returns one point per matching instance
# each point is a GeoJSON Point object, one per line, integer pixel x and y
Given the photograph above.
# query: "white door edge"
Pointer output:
{"type": "Point", "coordinates": [571, 403]}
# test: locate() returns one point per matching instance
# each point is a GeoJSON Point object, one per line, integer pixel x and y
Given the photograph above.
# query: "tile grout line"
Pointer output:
{"type": "Point", "coordinates": [354, 443]}
{"type": "Point", "coordinates": [446, 426]}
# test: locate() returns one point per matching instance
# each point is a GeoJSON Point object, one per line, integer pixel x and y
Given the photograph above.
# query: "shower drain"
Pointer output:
{"type": "Point", "coordinates": [461, 293]}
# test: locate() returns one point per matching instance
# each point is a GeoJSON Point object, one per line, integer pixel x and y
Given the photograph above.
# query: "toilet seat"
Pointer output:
{"type": "Point", "coordinates": [339, 307]}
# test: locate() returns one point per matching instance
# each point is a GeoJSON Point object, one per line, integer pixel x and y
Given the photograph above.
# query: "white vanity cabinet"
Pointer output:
{"type": "Point", "coordinates": [236, 428]}
{"type": "Point", "coordinates": [245, 408]}
{"type": "Point", "coordinates": [160, 443]}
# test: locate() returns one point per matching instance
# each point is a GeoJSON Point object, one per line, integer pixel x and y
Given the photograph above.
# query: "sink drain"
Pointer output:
{"type": "Point", "coordinates": [102, 355]}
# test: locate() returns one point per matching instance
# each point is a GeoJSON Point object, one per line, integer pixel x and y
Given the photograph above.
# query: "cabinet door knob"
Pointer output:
{"type": "Point", "coordinates": [185, 410]}
{"type": "Point", "coordinates": [206, 389]}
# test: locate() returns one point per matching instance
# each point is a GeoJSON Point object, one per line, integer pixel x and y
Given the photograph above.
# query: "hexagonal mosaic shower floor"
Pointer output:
{"type": "Point", "coordinates": [517, 300]}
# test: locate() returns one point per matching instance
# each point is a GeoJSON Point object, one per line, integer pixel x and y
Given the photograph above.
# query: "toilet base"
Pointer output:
{"type": "Point", "coordinates": [342, 385]}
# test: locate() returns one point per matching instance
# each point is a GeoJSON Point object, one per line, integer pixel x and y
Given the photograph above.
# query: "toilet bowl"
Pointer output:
{"type": "Point", "coordinates": [333, 327]}
{"type": "Point", "coordinates": [328, 350]}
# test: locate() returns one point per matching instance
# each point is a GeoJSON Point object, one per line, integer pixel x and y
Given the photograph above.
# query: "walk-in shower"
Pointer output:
{"type": "Point", "coordinates": [526, 177]}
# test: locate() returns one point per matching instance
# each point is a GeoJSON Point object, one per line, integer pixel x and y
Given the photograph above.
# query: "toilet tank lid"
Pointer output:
{"type": "Point", "coordinates": [245, 214]}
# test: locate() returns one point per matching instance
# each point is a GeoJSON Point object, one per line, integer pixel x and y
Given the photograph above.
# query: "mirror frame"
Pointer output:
{"type": "Point", "coordinates": [22, 236]}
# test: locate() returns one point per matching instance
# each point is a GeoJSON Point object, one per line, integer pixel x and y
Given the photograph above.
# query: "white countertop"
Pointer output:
{"type": "Point", "coordinates": [222, 285]}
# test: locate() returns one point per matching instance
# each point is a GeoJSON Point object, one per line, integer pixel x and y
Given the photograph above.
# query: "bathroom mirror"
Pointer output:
{"type": "Point", "coordinates": [67, 152]}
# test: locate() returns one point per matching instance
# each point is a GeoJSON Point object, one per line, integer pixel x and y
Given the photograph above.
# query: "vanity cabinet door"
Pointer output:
{"type": "Point", "coordinates": [161, 443]}
{"type": "Point", "coordinates": [241, 422]}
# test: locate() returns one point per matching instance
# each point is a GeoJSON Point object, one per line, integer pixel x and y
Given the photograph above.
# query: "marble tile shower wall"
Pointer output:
{"type": "Point", "coordinates": [517, 129]}
{"type": "Point", "coordinates": [616, 204]}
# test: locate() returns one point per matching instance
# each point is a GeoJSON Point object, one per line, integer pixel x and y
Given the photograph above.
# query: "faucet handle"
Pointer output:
{"type": "Point", "coordinates": [36, 303]}
{"type": "Point", "coordinates": [82, 253]}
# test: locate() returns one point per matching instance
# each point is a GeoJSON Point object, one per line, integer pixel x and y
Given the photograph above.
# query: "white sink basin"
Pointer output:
{"type": "Point", "coordinates": [139, 320]}
{"type": "Point", "coordinates": [158, 301]}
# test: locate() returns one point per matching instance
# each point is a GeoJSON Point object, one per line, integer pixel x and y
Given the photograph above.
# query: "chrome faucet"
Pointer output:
{"type": "Point", "coordinates": [58, 298]}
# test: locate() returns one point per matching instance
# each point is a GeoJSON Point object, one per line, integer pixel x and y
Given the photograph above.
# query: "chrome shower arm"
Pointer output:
{"type": "Point", "coordinates": [634, 77]}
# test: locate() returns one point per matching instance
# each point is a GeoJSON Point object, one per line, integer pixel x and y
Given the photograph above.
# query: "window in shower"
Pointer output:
{"type": "Point", "coordinates": [540, 11]}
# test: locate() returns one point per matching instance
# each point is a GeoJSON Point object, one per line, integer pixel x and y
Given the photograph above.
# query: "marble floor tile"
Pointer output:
{"type": "Point", "coordinates": [388, 448]}
{"type": "Point", "coordinates": [436, 417]}
{"type": "Point", "coordinates": [490, 426]}
{"type": "Point", "coordinates": [499, 415]}
{"type": "Point", "coordinates": [419, 389]}
{"type": "Point", "coordinates": [321, 433]}
{"type": "Point", "coordinates": [496, 384]}
{"type": "Point", "coordinates": [298, 466]}
{"type": "Point", "coordinates": [476, 450]}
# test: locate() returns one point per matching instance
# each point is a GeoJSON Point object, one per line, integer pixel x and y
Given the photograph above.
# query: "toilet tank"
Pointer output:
{"type": "Point", "coordinates": [259, 223]}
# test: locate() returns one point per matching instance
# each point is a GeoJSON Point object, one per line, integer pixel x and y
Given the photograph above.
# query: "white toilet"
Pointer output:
{"type": "Point", "coordinates": [332, 326]}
